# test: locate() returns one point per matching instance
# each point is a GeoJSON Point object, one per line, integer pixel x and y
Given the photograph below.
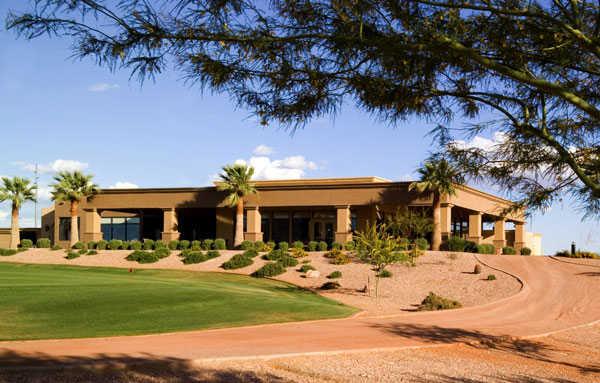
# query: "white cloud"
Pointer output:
{"type": "Point", "coordinates": [265, 168]}
{"type": "Point", "coordinates": [262, 150]}
{"type": "Point", "coordinates": [102, 87]}
{"type": "Point", "coordinates": [55, 166]}
{"type": "Point", "coordinates": [44, 193]}
{"type": "Point", "coordinates": [479, 142]}
{"type": "Point", "coordinates": [123, 185]}
{"type": "Point", "coordinates": [3, 215]}
{"type": "Point", "coordinates": [407, 177]}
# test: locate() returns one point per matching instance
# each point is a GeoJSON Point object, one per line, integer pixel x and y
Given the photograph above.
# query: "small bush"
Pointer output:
{"type": "Point", "coordinates": [251, 253]}
{"type": "Point", "coordinates": [56, 247]}
{"type": "Point", "coordinates": [237, 262]}
{"type": "Point", "coordinates": [173, 244]}
{"type": "Point", "coordinates": [284, 246]}
{"type": "Point", "coordinates": [125, 245]}
{"type": "Point", "coordinates": [269, 270]}
{"type": "Point", "coordinates": [159, 245]}
{"type": "Point", "coordinates": [135, 245]}
{"type": "Point", "coordinates": [435, 302]}
{"type": "Point", "coordinates": [385, 274]}
{"type": "Point", "coordinates": [148, 244]}
{"type": "Point", "coordinates": [323, 246]}
{"type": "Point", "coordinates": [213, 254]}
{"type": "Point", "coordinates": [288, 261]}
{"type": "Point", "coordinates": [335, 275]}
{"type": "Point", "coordinates": [486, 248]}
{"type": "Point", "coordinates": [331, 285]}
{"type": "Point", "coordinates": [298, 245]}
{"type": "Point", "coordinates": [247, 245]}
{"type": "Point", "coordinates": [115, 244]}
{"type": "Point", "coordinates": [298, 252]}
{"type": "Point", "coordinates": [142, 256]}
{"type": "Point", "coordinates": [455, 244]}
{"type": "Point", "coordinates": [422, 244]}
{"type": "Point", "coordinates": [563, 253]}
{"type": "Point", "coordinates": [220, 244]}
{"type": "Point", "coordinates": [26, 243]}
{"type": "Point", "coordinates": [207, 244]}
{"type": "Point", "coordinates": [92, 245]}
{"type": "Point", "coordinates": [509, 250]}
{"type": "Point", "coordinates": [340, 259]}
{"type": "Point", "coordinates": [79, 245]}
{"type": "Point", "coordinates": [82, 251]}
{"type": "Point", "coordinates": [274, 255]}
{"type": "Point", "coordinates": [350, 245]}
{"type": "Point", "coordinates": [92, 252]}
{"type": "Point", "coordinates": [306, 267]}
{"type": "Point", "coordinates": [7, 252]}
{"type": "Point", "coordinates": [162, 252]}
{"type": "Point", "coordinates": [312, 245]}
{"type": "Point", "coordinates": [72, 255]}
{"type": "Point", "coordinates": [271, 245]}
{"type": "Point", "coordinates": [43, 243]}
{"type": "Point", "coordinates": [259, 246]}
{"type": "Point", "coordinates": [470, 247]}
{"type": "Point", "coordinates": [491, 277]}
{"type": "Point", "coordinates": [184, 244]}
{"type": "Point", "coordinates": [196, 245]}
{"type": "Point", "coordinates": [477, 269]}
{"type": "Point", "coordinates": [332, 254]}
{"type": "Point", "coordinates": [336, 246]}
{"type": "Point", "coordinates": [194, 257]}
{"type": "Point", "coordinates": [403, 244]}
{"type": "Point", "coordinates": [525, 251]}
{"type": "Point", "coordinates": [101, 245]}
{"type": "Point", "coordinates": [185, 253]}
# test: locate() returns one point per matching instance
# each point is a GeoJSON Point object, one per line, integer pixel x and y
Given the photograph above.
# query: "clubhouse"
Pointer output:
{"type": "Point", "coordinates": [284, 210]}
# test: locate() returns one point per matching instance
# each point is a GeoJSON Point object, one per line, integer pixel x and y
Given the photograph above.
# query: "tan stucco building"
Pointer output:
{"type": "Point", "coordinates": [286, 210]}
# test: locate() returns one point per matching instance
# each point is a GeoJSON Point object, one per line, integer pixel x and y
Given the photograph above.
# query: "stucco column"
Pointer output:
{"type": "Point", "coordinates": [170, 229]}
{"type": "Point", "coordinates": [343, 233]}
{"type": "Point", "coordinates": [253, 225]}
{"type": "Point", "coordinates": [446, 220]}
{"type": "Point", "coordinates": [499, 235]}
{"type": "Point", "coordinates": [519, 236]}
{"type": "Point", "coordinates": [91, 225]}
{"type": "Point", "coordinates": [475, 227]}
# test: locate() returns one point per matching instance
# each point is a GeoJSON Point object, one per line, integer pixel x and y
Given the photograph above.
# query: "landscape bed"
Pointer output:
{"type": "Point", "coordinates": [56, 301]}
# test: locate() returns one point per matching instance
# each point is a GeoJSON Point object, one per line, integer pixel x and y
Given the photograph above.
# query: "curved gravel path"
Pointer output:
{"type": "Point", "coordinates": [555, 296]}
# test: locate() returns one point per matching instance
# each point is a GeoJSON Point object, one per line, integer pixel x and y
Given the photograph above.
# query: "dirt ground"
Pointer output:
{"type": "Point", "coordinates": [448, 275]}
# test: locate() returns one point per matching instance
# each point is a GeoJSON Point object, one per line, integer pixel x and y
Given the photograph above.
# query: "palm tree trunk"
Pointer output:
{"type": "Point", "coordinates": [14, 228]}
{"type": "Point", "coordinates": [74, 224]}
{"type": "Point", "coordinates": [239, 224]}
{"type": "Point", "coordinates": [436, 241]}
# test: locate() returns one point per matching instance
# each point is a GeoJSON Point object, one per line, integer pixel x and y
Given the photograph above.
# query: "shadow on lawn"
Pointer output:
{"type": "Point", "coordinates": [40, 368]}
{"type": "Point", "coordinates": [525, 348]}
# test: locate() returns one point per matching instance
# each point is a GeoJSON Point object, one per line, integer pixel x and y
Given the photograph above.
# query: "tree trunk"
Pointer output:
{"type": "Point", "coordinates": [14, 228]}
{"type": "Point", "coordinates": [239, 224]}
{"type": "Point", "coordinates": [74, 224]}
{"type": "Point", "coordinates": [436, 241]}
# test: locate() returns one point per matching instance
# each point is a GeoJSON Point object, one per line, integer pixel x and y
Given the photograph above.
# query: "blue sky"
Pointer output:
{"type": "Point", "coordinates": [165, 134]}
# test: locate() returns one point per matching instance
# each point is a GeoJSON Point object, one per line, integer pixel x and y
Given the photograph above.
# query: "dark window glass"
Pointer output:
{"type": "Point", "coordinates": [64, 229]}
{"type": "Point", "coordinates": [281, 227]}
{"type": "Point", "coordinates": [133, 229]}
{"type": "Point", "coordinates": [125, 229]}
{"type": "Point", "coordinates": [105, 228]}
{"type": "Point", "coordinates": [265, 225]}
{"type": "Point", "coordinates": [300, 227]}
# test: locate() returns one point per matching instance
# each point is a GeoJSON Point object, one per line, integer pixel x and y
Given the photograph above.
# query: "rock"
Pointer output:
{"type": "Point", "coordinates": [312, 274]}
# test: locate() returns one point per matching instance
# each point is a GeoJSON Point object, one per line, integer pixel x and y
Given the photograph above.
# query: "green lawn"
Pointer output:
{"type": "Point", "coordinates": [43, 301]}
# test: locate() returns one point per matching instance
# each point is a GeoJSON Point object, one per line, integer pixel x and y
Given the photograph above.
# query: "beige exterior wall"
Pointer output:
{"type": "Point", "coordinates": [4, 238]}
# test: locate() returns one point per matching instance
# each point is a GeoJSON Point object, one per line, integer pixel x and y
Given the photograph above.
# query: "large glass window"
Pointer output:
{"type": "Point", "coordinates": [265, 224]}
{"type": "Point", "coordinates": [300, 226]}
{"type": "Point", "coordinates": [125, 229]}
{"type": "Point", "coordinates": [64, 228]}
{"type": "Point", "coordinates": [280, 230]}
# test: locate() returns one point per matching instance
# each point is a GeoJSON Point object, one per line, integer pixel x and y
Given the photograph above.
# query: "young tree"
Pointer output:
{"type": "Point", "coordinates": [410, 224]}
{"type": "Point", "coordinates": [73, 187]}
{"type": "Point", "coordinates": [236, 182]}
{"type": "Point", "coordinates": [17, 190]}
{"type": "Point", "coordinates": [532, 66]}
{"type": "Point", "coordinates": [438, 178]}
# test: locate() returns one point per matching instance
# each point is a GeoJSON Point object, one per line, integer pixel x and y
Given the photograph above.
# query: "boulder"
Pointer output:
{"type": "Point", "coordinates": [313, 274]}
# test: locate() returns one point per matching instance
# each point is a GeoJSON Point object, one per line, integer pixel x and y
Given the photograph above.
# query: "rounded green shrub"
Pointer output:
{"type": "Point", "coordinates": [270, 269]}
{"type": "Point", "coordinates": [509, 250]}
{"type": "Point", "coordinates": [247, 245]}
{"type": "Point", "coordinates": [159, 245]}
{"type": "Point", "coordinates": [306, 267]}
{"type": "Point", "coordinates": [323, 246]}
{"type": "Point", "coordinates": [7, 252]}
{"type": "Point", "coordinates": [251, 253]}
{"type": "Point", "coordinates": [237, 262]}
{"type": "Point", "coordinates": [56, 247]}
{"type": "Point", "coordinates": [525, 251]}
{"type": "Point", "coordinates": [101, 245]}
{"type": "Point", "coordinates": [196, 245]}
{"type": "Point", "coordinates": [271, 245]}
{"type": "Point", "coordinates": [298, 245]}
{"type": "Point", "coordinates": [148, 244]}
{"type": "Point", "coordinates": [435, 302]}
{"type": "Point", "coordinates": [115, 244]}
{"type": "Point", "coordinates": [220, 244]}
{"type": "Point", "coordinates": [125, 245]}
{"type": "Point", "coordinates": [207, 244]}
{"type": "Point", "coordinates": [456, 244]}
{"type": "Point", "coordinates": [92, 245]}
{"type": "Point", "coordinates": [470, 247]}
{"type": "Point", "coordinates": [259, 246]}
{"type": "Point", "coordinates": [26, 243]}
{"type": "Point", "coordinates": [173, 244]}
{"type": "Point", "coordinates": [135, 245]}
{"type": "Point", "coordinates": [162, 252]}
{"type": "Point", "coordinates": [336, 246]}
{"type": "Point", "coordinates": [335, 275]}
{"type": "Point", "coordinates": [43, 243]}
{"type": "Point", "coordinates": [274, 255]}
{"type": "Point", "coordinates": [288, 261]}
{"type": "Point", "coordinates": [284, 246]}
{"type": "Point", "coordinates": [422, 244]}
{"type": "Point", "coordinates": [72, 255]}
{"type": "Point", "coordinates": [142, 256]}
{"type": "Point", "coordinates": [486, 248]}
{"type": "Point", "coordinates": [384, 274]}
{"type": "Point", "coordinates": [92, 252]}
{"type": "Point", "coordinates": [82, 251]}
{"type": "Point", "coordinates": [79, 245]}
{"type": "Point", "coordinates": [213, 254]}
{"type": "Point", "coordinates": [491, 277]}
{"type": "Point", "coordinates": [184, 244]}
{"type": "Point", "coordinates": [312, 245]}
{"type": "Point", "coordinates": [350, 245]}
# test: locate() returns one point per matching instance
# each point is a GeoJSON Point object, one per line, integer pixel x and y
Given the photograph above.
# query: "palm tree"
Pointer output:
{"type": "Point", "coordinates": [438, 177]}
{"type": "Point", "coordinates": [235, 180]}
{"type": "Point", "coordinates": [73, 187]}
{"type": "Point", "coordinates": [17, 190]}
